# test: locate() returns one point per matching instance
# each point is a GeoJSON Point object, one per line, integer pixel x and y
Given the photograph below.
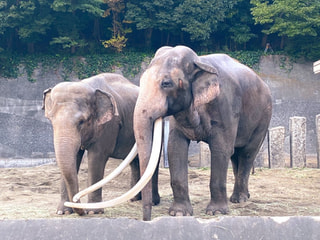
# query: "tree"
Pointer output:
{"type": "Point", "coordinates": [201, 18]}
{"type": "Point", "coordinates": [71, 16]}
{"type": "Point", "coordinates": [287, 18]}
{"type": "Point", "coordinates": [30, 20]}
{"type": "Point", "coordinates": [152, 15]}
{"type": "Point", "coordinates": [239, 24]}
{"type": "Point", "coordinates": [118, 40]}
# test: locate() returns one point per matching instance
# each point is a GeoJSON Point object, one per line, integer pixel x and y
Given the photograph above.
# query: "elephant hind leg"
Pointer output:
{"type": "Point", "coordinates": [242, 162]}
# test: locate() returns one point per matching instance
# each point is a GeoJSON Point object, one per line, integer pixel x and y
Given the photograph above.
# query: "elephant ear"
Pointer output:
{"type": "Point", "coordinates": [105, 106]}
{"type": "Point", "coordinates": [47, 102]}
{"type": "Point", "coordinates": [205, 86]}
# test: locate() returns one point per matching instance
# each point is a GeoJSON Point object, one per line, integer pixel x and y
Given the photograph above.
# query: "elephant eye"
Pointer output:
{"type": "Point", "coordinates": [81, 122]}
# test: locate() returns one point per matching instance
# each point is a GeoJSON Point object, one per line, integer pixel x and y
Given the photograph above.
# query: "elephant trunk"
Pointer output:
{"type": "Point", "coordinates": [66, 150]}
{"type": "Point", "coordinates": [144, 145]}
{"type": "Point", "coordinates": [144, 120]}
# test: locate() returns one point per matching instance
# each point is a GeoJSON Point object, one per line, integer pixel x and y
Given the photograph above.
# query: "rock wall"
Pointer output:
{"type": "Point", "coordinates": [27, 134]}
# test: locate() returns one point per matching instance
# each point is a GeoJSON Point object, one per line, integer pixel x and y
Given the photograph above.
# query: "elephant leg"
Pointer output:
{"type": "Point", "coordinates": [242, 162]}
{"type": "Point", "coordinates": [155, 190]}
{"type": "Point", "coordinates": [218, 179]}
{"type": "Point", "coordinates": [61, 209]}
{"type": "Point", "coordinates": [178, 165]}
{"type": "Point", "coordinates": [96, 166]}
{"type": "Point", "coordinates": [135, 176]}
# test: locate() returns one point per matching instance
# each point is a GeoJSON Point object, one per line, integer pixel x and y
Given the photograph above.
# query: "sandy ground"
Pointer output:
{"type": "Point", "coordinates": [30, 193]}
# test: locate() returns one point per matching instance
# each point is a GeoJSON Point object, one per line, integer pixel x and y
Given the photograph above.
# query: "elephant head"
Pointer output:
{"type": "Point", "coordinates": [176, 81]}
{"type": "Point", "coordinates": [77, 113]}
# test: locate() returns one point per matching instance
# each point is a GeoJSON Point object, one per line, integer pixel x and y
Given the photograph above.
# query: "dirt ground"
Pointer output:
{"type": "Point", "coordinates": [29, 193]}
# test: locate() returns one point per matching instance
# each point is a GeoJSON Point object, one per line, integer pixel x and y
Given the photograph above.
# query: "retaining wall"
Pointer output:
{"type": "Point", "coordinates": [166, 228]}
{"type": "Point", "coordinates": [27, 134]}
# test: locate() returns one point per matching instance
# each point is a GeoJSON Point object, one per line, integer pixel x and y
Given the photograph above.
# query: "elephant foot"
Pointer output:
{"type": "Point", "coordinates": [239, 197]}
{"type": "Point", "coordinates": [95, 211]}
{"type": "Point", "coordinates": [67, 211]}
{"type": "Point", "coordinates": [136, 198]}
{"type": "Point", "coordinates": [181, 209]}
{"type": "Point", "coordinates": [62, 210]}
{"type": "Point", "coordinates": [155, 199]}
{"type": "Point", "coordinates": [214, 208]}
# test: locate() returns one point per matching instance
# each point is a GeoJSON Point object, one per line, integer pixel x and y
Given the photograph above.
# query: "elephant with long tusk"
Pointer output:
{"type": "Point", "coordinates": [211, 98]}
{"type": "Point", "coordinates": [93, 115]}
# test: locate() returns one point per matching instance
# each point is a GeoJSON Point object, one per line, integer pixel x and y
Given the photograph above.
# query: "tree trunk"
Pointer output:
{"type": "Point", "coordinates": [148, 36]}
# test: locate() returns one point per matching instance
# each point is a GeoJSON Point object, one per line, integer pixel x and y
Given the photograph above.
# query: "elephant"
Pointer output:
{"type": "Point", "coordinates": [214, 99]}
{"type": "Point", "coordinates": [93, 115]}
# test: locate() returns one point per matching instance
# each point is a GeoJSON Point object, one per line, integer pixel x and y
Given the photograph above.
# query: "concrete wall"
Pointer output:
{"type": "Point", "coordinates": [166, 228]}
{"type": "Point", "coordinates": [26, 133]}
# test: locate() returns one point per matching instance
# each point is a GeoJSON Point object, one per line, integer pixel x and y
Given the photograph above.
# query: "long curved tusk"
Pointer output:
{"type": "Point", "coordinates": [111, 176]}
{"type": "Point", "coordinates": [152, 165]}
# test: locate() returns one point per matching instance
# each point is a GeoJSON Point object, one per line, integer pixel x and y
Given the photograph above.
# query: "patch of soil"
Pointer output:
{"type": "Point", "coordinates": [29, 193]}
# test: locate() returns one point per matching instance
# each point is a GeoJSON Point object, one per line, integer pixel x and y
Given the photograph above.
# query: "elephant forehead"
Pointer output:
{"type": "Point", "coordinates": [70, 92]}
{"type": "Point", "coordinates": [176, 73]}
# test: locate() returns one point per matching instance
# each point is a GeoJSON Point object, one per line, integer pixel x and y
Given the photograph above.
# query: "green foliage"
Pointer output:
{"type": "Point", "coordinates": [201, 18]}
{"type": "Point", "coordinates": [79, 27]}
{"type": "Point", "coordinates": [89, 65]}
{"type": "Point", "coordinates": [288, 17]}
{"type": "Point", "coordinates": [67, 42]}
{"type": "Point", "coordinates": [249, 58]}
{"type": "Point", "coordinates": [157, 14]}
{"type": "Point", "coordinates": [81, 66]}
{"type": "Point", "coordinates": [30, 19]}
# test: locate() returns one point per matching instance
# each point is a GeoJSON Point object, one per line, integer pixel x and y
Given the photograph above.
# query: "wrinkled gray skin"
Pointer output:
{"type": "Point", "coordinates": [211, 98]}
{"type": "Point", "coordinates": [95, 114]}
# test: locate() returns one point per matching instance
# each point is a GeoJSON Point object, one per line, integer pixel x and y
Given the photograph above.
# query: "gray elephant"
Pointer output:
{"type": "Point", "coordinates": [211, 98]}
{"type": "Point", "coordinates": [95, 114]}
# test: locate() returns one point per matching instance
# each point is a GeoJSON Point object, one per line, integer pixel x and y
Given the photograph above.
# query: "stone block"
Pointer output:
{"type": "Point", "coordinates": [298, 129]}
{"type": "Point", "coordinates": [276, 147]}
{"type": "Point", "coordinates": [318, 139]}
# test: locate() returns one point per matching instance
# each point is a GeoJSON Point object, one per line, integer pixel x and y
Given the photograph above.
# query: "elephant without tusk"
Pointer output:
{"type": "Point", "coordinates": [96, 115]}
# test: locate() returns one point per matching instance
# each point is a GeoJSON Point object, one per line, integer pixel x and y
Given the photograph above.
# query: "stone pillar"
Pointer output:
{"type": "Point", "coordinates": [318, 139]}
{"type": "Point", "coordinates": [276, 147]}
{"type": "Point", "coordinates": [205, 155]}
{"type": "Point", "coordinates": [297, 127]}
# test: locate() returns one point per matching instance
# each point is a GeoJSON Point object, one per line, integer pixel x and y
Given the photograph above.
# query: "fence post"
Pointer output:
{"type": "Point", "coordinates": [318, 139]}
{"type": "Point", "coordinates": [276, 147]}
{"type": "Point", "coordinates": [297, 127]}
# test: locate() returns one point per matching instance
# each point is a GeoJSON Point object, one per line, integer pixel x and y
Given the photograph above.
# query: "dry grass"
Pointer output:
{"type": "Point", "coordinates": [29, 193]}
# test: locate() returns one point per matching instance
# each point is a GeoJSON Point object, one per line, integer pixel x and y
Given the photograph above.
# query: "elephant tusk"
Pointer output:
{"type": "Point", "coordinates": [111, 176]}
{"type": "Point", "coordinates": [152, 165]}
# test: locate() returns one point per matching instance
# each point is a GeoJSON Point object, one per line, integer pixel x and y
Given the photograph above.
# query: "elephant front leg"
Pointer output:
{"type": "Point", "coordinates": [178, 165]}
{"type": "Point", "coordinates": [219, 168]}
{"type": "Point", "coordinates": [96, 166]}
{"type": "Point", "coordinates": [61, 209]}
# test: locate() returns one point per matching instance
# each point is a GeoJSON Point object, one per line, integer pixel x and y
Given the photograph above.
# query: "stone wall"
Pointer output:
{"type": "Point", "coordinates": [27, 134]}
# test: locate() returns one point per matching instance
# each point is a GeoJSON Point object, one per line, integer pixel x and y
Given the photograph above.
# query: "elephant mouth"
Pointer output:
{"type": "Point", "coordinates": [145, 178]}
